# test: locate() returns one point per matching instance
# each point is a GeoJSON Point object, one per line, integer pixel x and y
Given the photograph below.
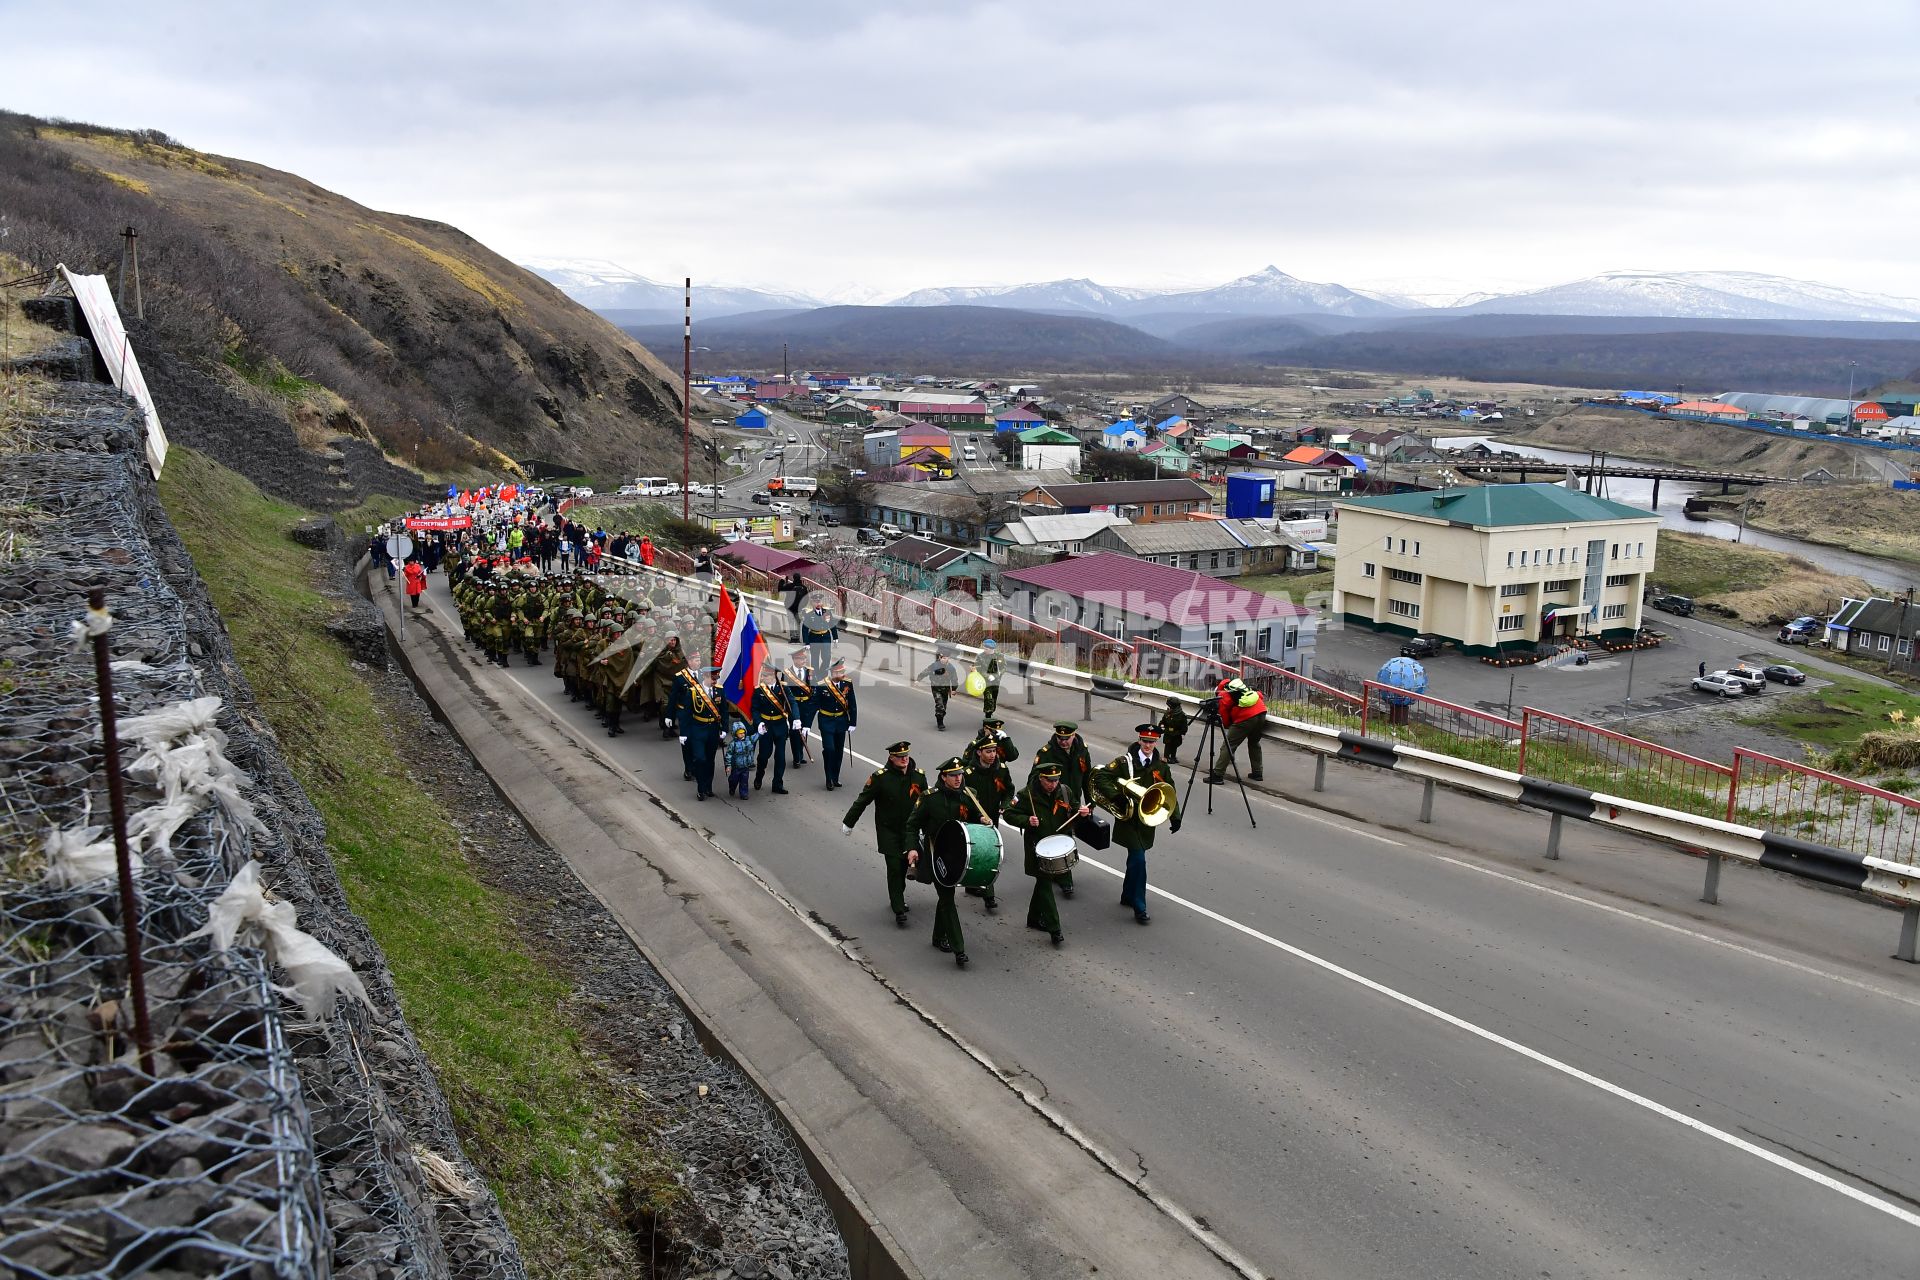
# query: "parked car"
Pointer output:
{"type": "Point", "coordinates": [1721, 683]}
{"type": "Point", "coordinates": [1422, 647]}
{"type": "Point", "coordinates": [1799, 631]}
{"type": "Point", "coordinates": [763, 498]}
{"type": "Point", "coordinates": [1784, 674]}
{"type": "Point", "coordinates": [869, 537]}
{"type": "Point", "coordinates": [892, 531]}
{"type": "Point", "coordinates": [828, 518]}
{"type": "Point", "coordinates": [1749, 678]}
{"type": "Point", "coordinates": [1682, 605]}
{"type": "Point", "coordinates": [628, 491]}
{"type": "Point", "coordinates": [856, 472]}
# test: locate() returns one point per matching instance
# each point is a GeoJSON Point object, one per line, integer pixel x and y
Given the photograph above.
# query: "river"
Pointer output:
{"type": "Point", "coordinates": [1890, 574]}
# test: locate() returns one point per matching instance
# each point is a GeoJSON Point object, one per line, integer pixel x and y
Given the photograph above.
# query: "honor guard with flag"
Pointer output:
{"type": "Point", "coordinates": [836, 710]}
{"type": "Point", "coordinates": [797, 683]}
{"type": "Point", "coordinates": [1043, 809]}
{"type": "Point", "coordinates": [1142, 764]}
{"type": "Point", "coordinates": [1068, 750]}
{"type": "Point", "coordinates": [773, 720]}
{"type": "Point", "coordinates": [950, 801]}
{"type": "Point", "coordinates": [700, 720]}
{"type": "Point", "coordinates": [894, 791]}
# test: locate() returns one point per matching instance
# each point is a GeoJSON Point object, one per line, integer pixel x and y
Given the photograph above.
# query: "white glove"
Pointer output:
{"type": "Point", "coordinates": [762, 733]}
{"type": "Point", "coordinates": [796, 724]}
{"type": "Point", "coordinates": [850, 729]}
{"type": "Point", "coordinates": [846, 830]}
{"type": "Point", "coordinates": [683, 739]}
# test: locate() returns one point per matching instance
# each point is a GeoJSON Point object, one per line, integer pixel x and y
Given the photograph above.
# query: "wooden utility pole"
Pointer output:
{"type": "Point", "coordinates": [130, 256]}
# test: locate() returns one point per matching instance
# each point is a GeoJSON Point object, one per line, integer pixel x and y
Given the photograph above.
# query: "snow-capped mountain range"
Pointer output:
{"type": "Point", "coordinates": [1700, 295]}
{"type": "Point", "coordinates": [608, 286]}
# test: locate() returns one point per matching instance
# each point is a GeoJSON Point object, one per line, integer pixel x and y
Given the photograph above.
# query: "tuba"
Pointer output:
{"type": "Point", "coordinates": [1152, 804]}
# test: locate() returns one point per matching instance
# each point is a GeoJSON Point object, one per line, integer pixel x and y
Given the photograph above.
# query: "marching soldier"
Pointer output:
{"type": "Point", "coordinates": [894, 792]}
{"type": "Point", "coordinates": [837, 709]}
{"type": "Point", "coordinates": [797, 684]}
{"type": "Point", "coordinates": [1068, 750]}
{"type": "Point", "coordinates": [991, 728]}
{"type": "Point", "coordinates": [663, 677]}
{"type": "Point", "coordinates": [773, 720]}
{"type": "Point", "coordinates": [532, 608]}
{"type": "Point", "coordinates": [1141, 763]}
{"type": "Point", "coordinates": [990, 665]}
{"type": "Point", "coordinates": [992, 784]}
{"type": "Point", "coordinates": [701, 720]}
{"type": "Point", "coordinates": [944, 677]}
{"type": "Point", "coordinates": [618, 666]}
{"type": "Point", "coordinates": [499, 625]}
{"type": "Point", "coordinates": [951, 801]}
{"type": "Point", "coordinates": [1043, 809]}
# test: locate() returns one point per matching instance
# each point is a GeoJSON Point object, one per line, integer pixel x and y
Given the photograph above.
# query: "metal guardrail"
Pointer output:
{"type": "Point", "coordinates": [1893, 879]}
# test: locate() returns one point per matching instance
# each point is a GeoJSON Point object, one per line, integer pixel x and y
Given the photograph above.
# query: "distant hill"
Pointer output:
{"type": "Point", "coordinates": [1731, 295]}
{"type": "Point", "coordinates": [1054, 295]}
{"type": "Point", "coordinates": [1240, 337]}
{"type": "Point", "coordinates": [934, 340]}
{"type": "Point", "coordinates": [1267, 292]}
{"type": "Point", "coordinates": [339, 319]}
{"type": "Point", "coordinates": [608, 287]}
{"type": "Point", "coordinates": [1704, 360]}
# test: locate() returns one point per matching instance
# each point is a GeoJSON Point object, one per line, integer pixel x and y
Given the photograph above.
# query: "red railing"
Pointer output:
{"type": "Point", "coordinates": [957, 622]}
{"type": "Point", "coordinates": [1561, 749]}
{"type": "Point", "coordinates": [1435, 724]}
{"type": "Point", "coordinates": [862, 607]}
{"type": "Point", "coordinates": [1823, 808]}
{"type": "Point", "coordinates": [1156, 663]}
{"type": "Point", "coordinates": [1296, 697]}
{"type": "Point", "coordinates": [1094, 652]}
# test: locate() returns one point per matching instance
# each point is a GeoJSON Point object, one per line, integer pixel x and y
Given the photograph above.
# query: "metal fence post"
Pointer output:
{"type": "Point", "coordinates": [1319, 771]}
{"type": "Point", "coordinates": [1553, 838]}
{"type": "Point", "coordinates": [1909, 933]}
{"type": "Point", "coordinates": [1526, 727]}
{"type": "Point", "coordinates": [1426, 801]}
{"type": "Point", "coordinates": [1366, 706]}
{"type": "Point", "coordinates": [1086, 712]}
{"type": "Point", "coordinates": [1712, 892]}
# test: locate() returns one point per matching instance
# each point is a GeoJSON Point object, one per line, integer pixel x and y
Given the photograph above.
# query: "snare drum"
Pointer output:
{"type": "Point", "coordinates": [965, 855]}
{"type": "Point", "coordinates": [1055, 855]}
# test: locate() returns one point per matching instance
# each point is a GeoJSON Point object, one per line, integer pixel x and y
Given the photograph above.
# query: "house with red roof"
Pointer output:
{"type": "Point", "coordinates": [1134, 599]}
{"type": "Point", "coordinates": [755, 555]}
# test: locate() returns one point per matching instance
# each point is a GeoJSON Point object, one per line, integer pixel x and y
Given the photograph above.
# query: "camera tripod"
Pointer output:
{"type": "Point", "coordinates": [1210, 723]}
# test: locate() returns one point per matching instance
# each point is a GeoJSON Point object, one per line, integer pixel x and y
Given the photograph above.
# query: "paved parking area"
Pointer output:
{"type": "Point", "coordinates": [1598, 691]}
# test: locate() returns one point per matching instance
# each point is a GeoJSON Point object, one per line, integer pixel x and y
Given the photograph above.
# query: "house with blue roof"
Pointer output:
{"type": "Point", "coordinates": [754, 419]}
{"type": "Point", "coordinates": [1124, 434]}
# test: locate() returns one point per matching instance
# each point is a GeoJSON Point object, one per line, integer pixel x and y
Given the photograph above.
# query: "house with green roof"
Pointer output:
{"type": "Point", "coordinates": [1494, 568]}
{"type": "Point", "coordinates": [1043, 447]}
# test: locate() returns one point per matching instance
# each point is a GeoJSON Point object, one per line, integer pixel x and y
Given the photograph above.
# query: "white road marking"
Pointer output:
{"type": "Point", "coordinates": [1755, 952]}
{"type": "Point", "coordinates": [1567, 1069]}
{"type": "Point", "coordinates": [1812, 1175]}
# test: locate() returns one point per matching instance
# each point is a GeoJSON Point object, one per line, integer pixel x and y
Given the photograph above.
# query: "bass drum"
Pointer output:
{"type": "Point", "coordinates": [1055, 855]}
{"type": "Point", "coordinates": [965, 855]}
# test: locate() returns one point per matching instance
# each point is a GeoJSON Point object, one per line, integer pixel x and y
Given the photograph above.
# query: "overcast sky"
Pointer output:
{"type": "Point", "coordinates": [823, 145]}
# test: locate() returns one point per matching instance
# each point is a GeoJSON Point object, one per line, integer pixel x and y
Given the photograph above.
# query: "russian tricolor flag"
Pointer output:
{"type": "Point", "coordinates": [738, 652]}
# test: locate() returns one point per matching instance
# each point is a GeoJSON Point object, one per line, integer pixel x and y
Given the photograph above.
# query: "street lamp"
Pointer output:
{"type": "Point", "coordinates": [1852, 366]}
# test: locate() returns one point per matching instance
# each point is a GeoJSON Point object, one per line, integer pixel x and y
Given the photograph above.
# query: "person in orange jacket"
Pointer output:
{"type": "Point", "coordinates": [416, 581]}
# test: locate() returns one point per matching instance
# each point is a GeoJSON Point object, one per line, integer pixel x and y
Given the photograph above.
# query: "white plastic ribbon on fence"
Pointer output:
{"type": "Point", "coordinates": [318, 975]}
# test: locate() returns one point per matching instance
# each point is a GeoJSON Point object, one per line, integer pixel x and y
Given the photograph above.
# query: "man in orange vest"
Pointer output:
{"type": "Point", "coordinates": [1243, 718]}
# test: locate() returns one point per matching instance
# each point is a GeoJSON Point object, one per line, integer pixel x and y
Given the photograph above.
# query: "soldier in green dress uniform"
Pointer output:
{"type": "Point", "coordinates": [992, 784]}
{"type": "Point", "coordinates": [1067, 749]}
{"type": "Point", "coordinates": [951, 801]}
{"type": "Point", "coordinates": [1043, 809]}
{"type": "Point", "coordinates": [894, 791]}
{"type": "Point", "coordinates": [1142, 763]}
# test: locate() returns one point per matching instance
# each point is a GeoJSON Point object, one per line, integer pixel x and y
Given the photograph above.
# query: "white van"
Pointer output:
{"type": "Point", "coordinates": [970, 453]}
{"type": "Point", "coordinates": [655, 486]}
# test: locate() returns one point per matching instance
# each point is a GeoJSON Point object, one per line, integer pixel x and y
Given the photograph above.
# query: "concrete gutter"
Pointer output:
{"type": "Point", "coordinates": [932, 1165]}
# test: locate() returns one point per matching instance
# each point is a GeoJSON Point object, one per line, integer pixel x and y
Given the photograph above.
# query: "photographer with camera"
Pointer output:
{"type": "Point", "coordinates": [1242, 714]}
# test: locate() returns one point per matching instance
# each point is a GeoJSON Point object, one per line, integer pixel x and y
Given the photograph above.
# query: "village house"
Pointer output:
{"type": "Point", "coordinates": [1031, 539]}
{"type": "Point", "coordinates": [943, 413]}
{"type": "Point", "coordinates": [1128, 599]}
{"type": "Point", "coordinates": [1219, 548]}
{"type": "Point", "coordinates": [919, 564]}
{"type": "Point", "coordinates": [1124, 434]}
{"type": "Point", "coordinates": [1874, 628]}
{"type": "Point", "coordinates": [1021, 418]}
{"type": "Point", "coordinates": [1168, 459]}
{"type": "Point", "coordinates": [1179, 406]}
{"type": "Point", "coordinates": [944, 509]}
{"type": "Point", "coordinates": [1139, 500]}
{"type": "Point", "coordinates": [1494, 567]}
{"type": "Point", "coordinates": [1045, 446]}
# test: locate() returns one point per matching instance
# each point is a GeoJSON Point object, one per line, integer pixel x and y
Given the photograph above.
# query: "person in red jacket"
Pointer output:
{"type": "Point", "coordinates": [416, 581]}
{"type": "Point", "coordinates": [1243, 718]}
{"type": "Point", "coordinates": [646, 551]}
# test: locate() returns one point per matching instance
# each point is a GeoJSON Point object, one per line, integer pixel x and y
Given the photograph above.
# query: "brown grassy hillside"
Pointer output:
{"type": "Point", "coordinates": [343, 319]}
{"type": "Point", "coordinates": [1876, 519]}
{"type": "Point", "coordinates": [1693, 444]}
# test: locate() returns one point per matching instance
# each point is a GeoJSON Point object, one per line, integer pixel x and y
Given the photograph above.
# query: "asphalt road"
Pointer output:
{"type": "Point", "coordinates": [1355, 1052]}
